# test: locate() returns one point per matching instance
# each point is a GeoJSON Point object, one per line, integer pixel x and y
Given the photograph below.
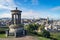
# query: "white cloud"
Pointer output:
{"type": "Point", "coordinates": [56, 8]}
{"type": "Point", "coordinates": [7, 4]}
{"type": "Point", "coordinates": [3, 7]}
{"type": "Point", "coordinates": [8, 15]}
{"type": "Point", "coordinates": [35, 14]}
{"type": "Point", "coordinates": [30, 14]}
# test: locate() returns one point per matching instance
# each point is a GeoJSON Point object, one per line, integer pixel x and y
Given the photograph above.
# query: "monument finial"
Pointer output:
{"type": "Point", "coordinates": [16, 8]}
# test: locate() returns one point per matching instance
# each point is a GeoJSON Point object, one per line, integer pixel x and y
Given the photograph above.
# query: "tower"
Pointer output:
{"type": "Point", "coordinates": [16, 16]}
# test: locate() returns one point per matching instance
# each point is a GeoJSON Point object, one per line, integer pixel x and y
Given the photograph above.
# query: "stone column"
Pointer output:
{"type": "Point", "coordinates": [15, 19]}
{"type": "Point", "coordinates": [12, 19]}
{"type": "Point", "coordinates": [19, 18]}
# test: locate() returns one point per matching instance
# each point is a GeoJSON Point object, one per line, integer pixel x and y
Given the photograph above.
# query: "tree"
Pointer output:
{"type": "Point", "coordinates": [42, 27]}
{"type": "Point", "coordinates": [43, 32]}
{"type": "Point", "coordinates": [36, 26]}
{"type": "Point", "coordinates": [32, 27]}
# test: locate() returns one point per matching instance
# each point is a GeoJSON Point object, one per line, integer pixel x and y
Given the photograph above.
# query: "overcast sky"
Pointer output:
{"type": "Point", "coordinates": [31, 8]}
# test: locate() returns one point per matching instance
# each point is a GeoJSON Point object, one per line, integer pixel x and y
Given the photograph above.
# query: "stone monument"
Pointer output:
{"type": "Point", "coordinates": [16, 16]}
{"type": "Point", "coordinates": [16, 28]}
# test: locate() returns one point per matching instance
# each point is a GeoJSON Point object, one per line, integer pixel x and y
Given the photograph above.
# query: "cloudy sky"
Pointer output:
{"type": "Point", "coordinates": [31, 8]}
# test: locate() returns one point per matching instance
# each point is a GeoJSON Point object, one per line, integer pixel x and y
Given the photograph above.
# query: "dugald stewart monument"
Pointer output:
{"type": "Point", "coordinates": [16, 28]}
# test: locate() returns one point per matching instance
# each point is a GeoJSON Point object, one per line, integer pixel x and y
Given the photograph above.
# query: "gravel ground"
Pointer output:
{"type": "Point", "coordinates": [20, 38]}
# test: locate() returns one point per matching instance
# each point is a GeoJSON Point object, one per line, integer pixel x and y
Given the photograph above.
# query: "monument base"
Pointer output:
{"type": "Point", "coordinates": [15, 31]}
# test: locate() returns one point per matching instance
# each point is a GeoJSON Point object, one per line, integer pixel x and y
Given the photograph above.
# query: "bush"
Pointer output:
{"type": "Point", "coordinates": [2, 32]}
{"type": "Point", "coordinates": [46, 33]}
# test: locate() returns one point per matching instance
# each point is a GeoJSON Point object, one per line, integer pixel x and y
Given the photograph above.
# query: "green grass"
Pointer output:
{"type": "Point", "coordinates": [2, 36]}
{"type": "Point", "coordinates": [56, 35]}
{"type": "Point", "coordinates": [43, 38]}
{"type": "Point", "coordinates": [39, 37]}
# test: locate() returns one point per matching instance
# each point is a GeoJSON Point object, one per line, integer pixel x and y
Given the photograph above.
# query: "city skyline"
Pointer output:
{"type": "Point", "coordinates": [31, 8]}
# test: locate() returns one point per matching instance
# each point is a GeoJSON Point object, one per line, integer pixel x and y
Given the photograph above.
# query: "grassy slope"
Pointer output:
{"type": "Point", "coordinates": [53, 35]}
{"type": "Point", "coordinates": [42, 38]}
{"type": "Point", "coordinates": [56, 35]}
{"type": "Point", "coordinates": [2, 36]}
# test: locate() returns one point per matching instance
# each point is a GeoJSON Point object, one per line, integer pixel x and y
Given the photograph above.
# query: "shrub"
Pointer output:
{"type": "Point", "coordinates": [46, 33]}
{"type": "Point", "coordinates": [2, 32]}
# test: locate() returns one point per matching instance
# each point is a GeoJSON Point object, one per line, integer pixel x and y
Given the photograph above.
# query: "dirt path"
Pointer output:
{"type": "Point", "coordinates": [21, 38]}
